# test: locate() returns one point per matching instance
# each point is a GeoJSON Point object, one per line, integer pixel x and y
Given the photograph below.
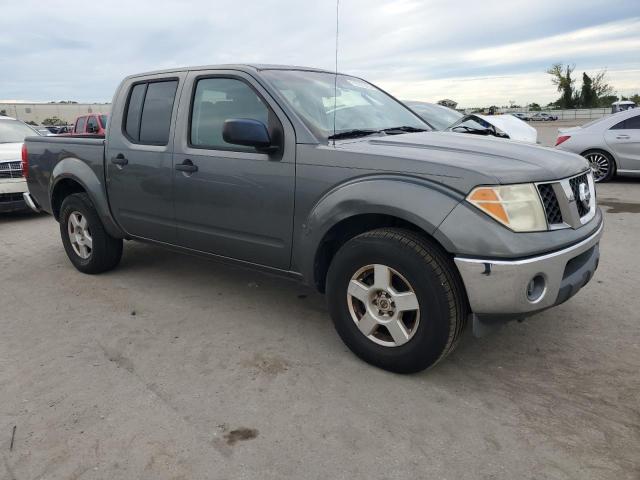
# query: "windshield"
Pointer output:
{"type": "Point", "coordinates": [436, 115]}
{"type": "Point", "coordinates": [14, 131]}
{"type": "Point", "coordinates": [358, 104]}
{"type": "Point", "coordinates": [103, 121]}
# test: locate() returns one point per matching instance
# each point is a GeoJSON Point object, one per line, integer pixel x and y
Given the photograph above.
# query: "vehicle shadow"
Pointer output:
{"type": "Point", "coordinates": [21, 216]}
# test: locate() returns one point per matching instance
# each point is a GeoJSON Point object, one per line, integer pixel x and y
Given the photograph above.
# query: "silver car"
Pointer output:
{"type": "Point", "coordinates": [611, 144]}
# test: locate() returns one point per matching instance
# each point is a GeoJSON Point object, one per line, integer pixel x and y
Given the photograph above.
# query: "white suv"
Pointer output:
{"type": "Point", "coordinates": [12, 182]}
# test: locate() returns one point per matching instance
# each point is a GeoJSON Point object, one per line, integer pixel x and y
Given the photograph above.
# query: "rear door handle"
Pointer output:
{"type": "Point", "coordinates": [119, 159]}
{"type": "Point", "coordinates": [187, 166]}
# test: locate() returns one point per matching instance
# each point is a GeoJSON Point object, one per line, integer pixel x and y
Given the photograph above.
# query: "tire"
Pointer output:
{"type": "Point", "coordinates": [599, 161]}
{"type": "Point", "coordinates": [89, 247]}
{"type": "Point", "coordinates": [430, 332]}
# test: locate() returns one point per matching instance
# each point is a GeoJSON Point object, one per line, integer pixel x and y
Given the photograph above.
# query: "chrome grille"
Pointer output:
{"type": "Point", "coordinates": [570, 202]}
{"type": "Point", "coordinates": [11, 169]}
{"type": "Point", "coordinates": [550, 203]}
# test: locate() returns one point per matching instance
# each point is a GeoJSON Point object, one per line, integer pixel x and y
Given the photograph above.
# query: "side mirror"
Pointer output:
{"type": "Point", "coordinates": [249, 133]}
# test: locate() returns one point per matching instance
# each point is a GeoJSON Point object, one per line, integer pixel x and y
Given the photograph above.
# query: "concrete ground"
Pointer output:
{"type": "Point", "coordinates": [175, 367]}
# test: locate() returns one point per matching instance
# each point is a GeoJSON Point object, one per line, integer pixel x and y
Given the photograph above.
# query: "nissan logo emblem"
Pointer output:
{"type": "Point", "coordinates": [585, 195]}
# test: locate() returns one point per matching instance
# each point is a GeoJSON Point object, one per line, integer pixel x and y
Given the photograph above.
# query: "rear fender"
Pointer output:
{"type": "Point", "coordinates": [81, 173]}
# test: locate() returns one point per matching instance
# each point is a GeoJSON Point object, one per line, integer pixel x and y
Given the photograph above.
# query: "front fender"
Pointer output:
{"type": "Point", "coordinates": [78, 171]}
{"type": "Point", "coordinates": [413, 199]}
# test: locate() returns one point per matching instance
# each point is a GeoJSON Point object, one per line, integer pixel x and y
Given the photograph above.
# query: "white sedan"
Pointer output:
{"type": "Point", "coordinates": [611, 144]}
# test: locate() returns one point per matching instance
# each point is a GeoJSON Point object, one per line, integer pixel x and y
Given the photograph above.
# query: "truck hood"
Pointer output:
{"type": "Point", "coordinates": [10, 152]}
{"type": "Point", "coordinates": [465, 161]}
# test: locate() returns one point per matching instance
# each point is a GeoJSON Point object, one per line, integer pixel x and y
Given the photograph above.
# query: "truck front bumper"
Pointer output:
{"type": "Point", "coordinates": [514, 289]}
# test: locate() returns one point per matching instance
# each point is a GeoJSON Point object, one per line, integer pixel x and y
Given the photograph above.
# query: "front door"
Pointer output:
{"type": "Point", "coordinates": [239, 202]}
{"type": "Point", "coordinates": [624, 140]}
{"type": "Point", "coordinates": [139, 159]}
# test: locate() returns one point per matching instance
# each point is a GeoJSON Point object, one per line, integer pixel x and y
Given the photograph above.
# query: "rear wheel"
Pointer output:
{"type": "Point", "coordinates": [602, 165]}
{"type": "Point", "coordinates": [396, 299]}
{"type": "Point", "coordinates": [89, 247]}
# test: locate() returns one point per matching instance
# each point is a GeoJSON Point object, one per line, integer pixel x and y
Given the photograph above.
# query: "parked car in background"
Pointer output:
{"type": "Point", "coordinates": [438, 116]}
{"type": "Point", "coordinates": [501, 126]}
{"type": "Point", "coordinates": [522, 116]}
{"type": "Point", "coordinates": [42, 130]}
{"type": "Point", "coordinates": [543, 117]}
{"type": "Point", "coordinates": [444, 118]}
{"type": "Point", "coordinates": [610, 144]}
{"type": "Point", "coordinates": [410, 232]}
{"type": "Point", "coordinates": [12, 181]}
{"type": "Point", "coordinates": [94, 124]}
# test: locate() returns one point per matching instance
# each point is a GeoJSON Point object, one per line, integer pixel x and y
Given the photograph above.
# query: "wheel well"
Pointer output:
{"type": "Point", "coordinates": [62, 190]}
{"type": "Point", "coordinates": [344, 231]}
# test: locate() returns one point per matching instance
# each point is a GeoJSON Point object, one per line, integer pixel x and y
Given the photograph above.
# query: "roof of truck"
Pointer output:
{"type": "Point", "coordinates": [235, 66]}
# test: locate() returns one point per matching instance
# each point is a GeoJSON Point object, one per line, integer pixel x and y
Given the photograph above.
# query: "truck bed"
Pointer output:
{"type": "Point", "coordinates": [47, 153]}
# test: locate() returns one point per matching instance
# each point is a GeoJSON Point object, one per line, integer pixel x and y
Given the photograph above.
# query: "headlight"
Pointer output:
{"type": "Point", "coordinates": [518, 207]}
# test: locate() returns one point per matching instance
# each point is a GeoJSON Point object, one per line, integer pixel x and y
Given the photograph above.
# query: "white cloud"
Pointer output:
{"type": "Point", "coordinates": [74, 50]}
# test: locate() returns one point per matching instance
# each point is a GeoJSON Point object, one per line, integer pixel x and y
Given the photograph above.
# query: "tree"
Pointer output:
{"type": "Point", "coordinates": [600, 86]}
{"type": "Point", "coordinates": [31, 122]}
{"type": "Point", "coordinates": [55, 121]}
{"type": "Point", "coordinates": [588, 96]}
{"type": "Point", "coordinates": [3, 113]}
{"type": "Point", "coordinates": [534, 107]}
{"type": "Point", "coordinates": [561, 78]}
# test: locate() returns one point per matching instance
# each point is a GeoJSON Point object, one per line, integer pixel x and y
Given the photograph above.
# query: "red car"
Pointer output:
{"type": "Point", "coordinates": [93, 124]}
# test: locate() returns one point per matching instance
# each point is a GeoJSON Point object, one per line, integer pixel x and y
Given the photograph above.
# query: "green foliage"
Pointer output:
{"type": "Point", "coordinates": [534, 107]}
{"type": "Point", "coordinates": [595, 91]}
{"type": "Point", "coordinates": [588, 96]}
{"type": "Point", "coordinates": [31, 122]}
{"type": "Point", "coordinates": [53, 121]}
{"type": "Point", "coordinates": [3, 113]}
{"type": "Point", "coordinates": [561, 78]}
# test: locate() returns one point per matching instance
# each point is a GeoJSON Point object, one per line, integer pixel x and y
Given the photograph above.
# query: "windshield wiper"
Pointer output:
{"type": "Point", "coordinates": [352, 133]}
{"type": "Point", "coordinates": [403, 129]}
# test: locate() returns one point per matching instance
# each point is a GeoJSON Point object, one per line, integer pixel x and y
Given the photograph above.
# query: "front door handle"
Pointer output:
{"type": "Point", "coordinates": [119, 159]}
{"type": "Point", "coordinates": [622, 137]}
{"type": "Point", "coordinates": [187, 166]}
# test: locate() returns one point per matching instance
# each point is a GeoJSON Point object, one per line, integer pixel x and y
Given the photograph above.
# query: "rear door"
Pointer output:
{"type": "Point", "coordinates": [239, 202]}
{"type": "Point", "coordinates": [139, 155]}
{"type": "Point", "coordinates": [624, 140]}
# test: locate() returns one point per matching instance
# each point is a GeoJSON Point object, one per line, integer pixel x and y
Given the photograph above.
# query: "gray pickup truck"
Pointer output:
{"type": "Point", "coordinates": [411, 233]}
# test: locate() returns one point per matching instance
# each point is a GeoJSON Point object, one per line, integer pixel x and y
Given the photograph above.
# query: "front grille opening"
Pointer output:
{"type": "Point", "coordinates": [11, 170]}
{"type": "Point", "coordinates": [10, 197]}
{"type": "Point", "coordinates": [575, 188]}
{"type": "Point", "coordinates": [550, 202]}
{"type": "Point", "coordinates": [576, 263]}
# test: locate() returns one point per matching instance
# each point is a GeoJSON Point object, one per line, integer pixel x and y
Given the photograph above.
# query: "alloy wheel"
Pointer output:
{"type": "Point", "coordinates": [80, 235]}
{"type": "Point", "coordinates": [383, 305]}
{"type": "Point", "coordinates": [600, 165]}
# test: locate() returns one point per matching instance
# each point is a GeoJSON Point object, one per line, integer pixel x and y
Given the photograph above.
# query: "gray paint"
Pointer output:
{"type": "Point", "coordinates": [274, 210]}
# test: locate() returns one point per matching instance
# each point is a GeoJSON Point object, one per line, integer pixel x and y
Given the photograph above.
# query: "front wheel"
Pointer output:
{"type": "Point", "coordinates": [396, 299]}
{"type": "Point", "coordinates": [89, 247]}
{"type": "Point", "coordinates": [602, 165]}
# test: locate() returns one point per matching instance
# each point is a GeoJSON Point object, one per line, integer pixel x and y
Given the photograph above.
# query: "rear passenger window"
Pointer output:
{"type": "Point", "coordinates": [220, 99]}
{"type": "Point", "coordinates": [632, 123]}
{"type": "Point", "coordinates": [80, 125]}
{"type": "Point", "coordinates": [92, 125]}
{"type": "Point", "coordinates": [148, 117]}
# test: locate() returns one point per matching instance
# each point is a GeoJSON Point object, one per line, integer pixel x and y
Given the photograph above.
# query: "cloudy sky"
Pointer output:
{"type": "Point", "coordinates": [478, 53]}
